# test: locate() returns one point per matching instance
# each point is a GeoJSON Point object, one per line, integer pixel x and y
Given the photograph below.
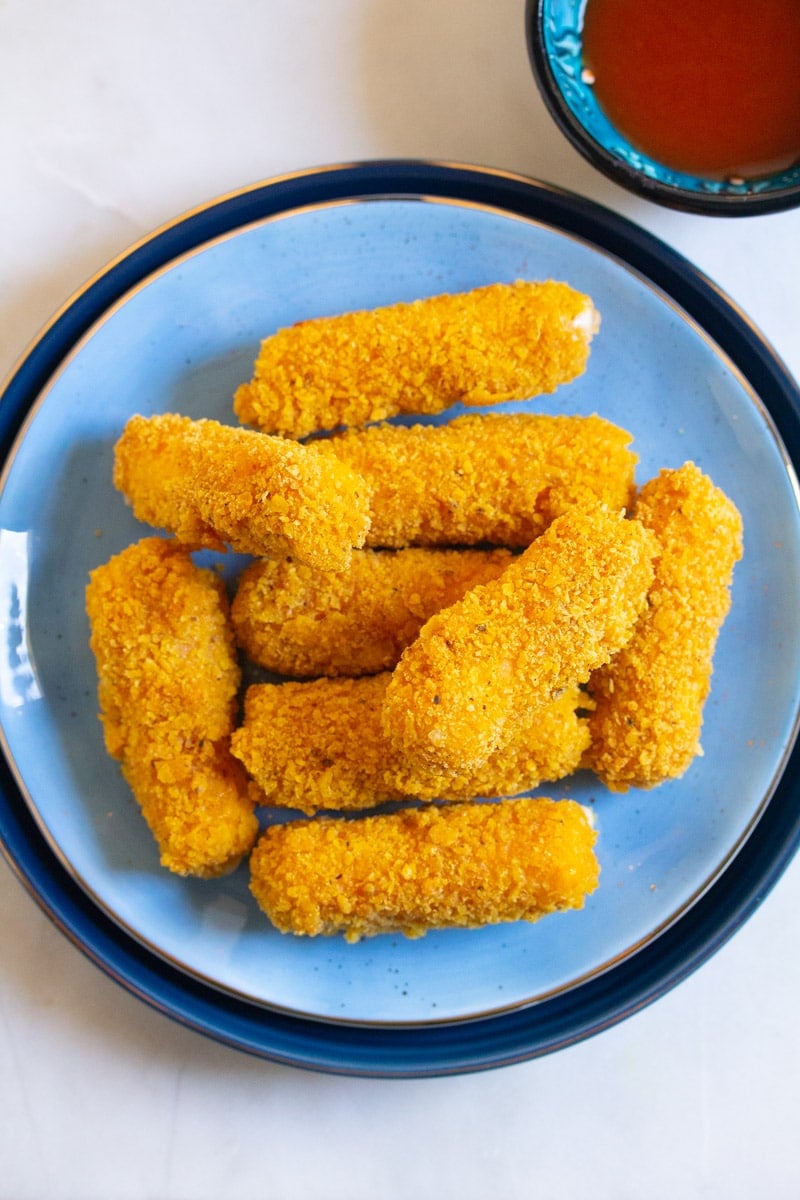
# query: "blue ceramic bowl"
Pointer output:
{"type": "Point", "coordinates": [554, 33]}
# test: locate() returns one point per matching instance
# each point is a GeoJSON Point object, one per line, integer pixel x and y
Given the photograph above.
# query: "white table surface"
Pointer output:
{"type": "Point", "coordinates": [114, 118]}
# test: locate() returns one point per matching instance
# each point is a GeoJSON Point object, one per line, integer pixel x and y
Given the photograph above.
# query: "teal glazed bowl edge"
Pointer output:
{"type": "Point", "coordinates": [554, 30]}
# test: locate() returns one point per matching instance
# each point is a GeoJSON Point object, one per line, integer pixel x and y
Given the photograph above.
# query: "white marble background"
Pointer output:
{"type": "Point", "coordinates": [115, 117]}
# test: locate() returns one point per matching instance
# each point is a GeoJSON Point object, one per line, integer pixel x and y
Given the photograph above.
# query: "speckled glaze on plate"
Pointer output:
{"type": "Point", "coordinates": [175, 326]}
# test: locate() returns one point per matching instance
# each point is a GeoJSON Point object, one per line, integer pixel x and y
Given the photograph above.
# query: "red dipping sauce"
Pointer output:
{"type": "Point", "coordinates": [709, 87]}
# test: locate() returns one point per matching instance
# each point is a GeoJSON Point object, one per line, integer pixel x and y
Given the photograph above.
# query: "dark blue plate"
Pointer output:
{"type": "Point", "coordinates": [461, 1045]}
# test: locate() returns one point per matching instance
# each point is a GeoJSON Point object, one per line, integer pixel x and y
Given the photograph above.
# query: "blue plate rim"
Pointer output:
{"type": "Point", "coordinates": [485, 1042]}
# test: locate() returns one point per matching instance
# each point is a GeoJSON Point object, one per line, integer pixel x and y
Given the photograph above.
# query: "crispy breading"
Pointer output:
{"type": "Point", "coordinates": [167, 686]}
{"type": "Point", "coordinates": [558, 611]}
{"type": "Point", "coordinates": [650, 697]}
{"type": "Point", "coordinates": [212, 485]}
{"type": "Point", "coordinates": [461, 865]}
{"type": "Point", "coordinates": [297, 621]}
{"type": "Point", "coordinates": [498, 478]}
{"type": "Point", "coordinates": [495, 343]}
{"type": "Point", "coordinates": [318, 744]}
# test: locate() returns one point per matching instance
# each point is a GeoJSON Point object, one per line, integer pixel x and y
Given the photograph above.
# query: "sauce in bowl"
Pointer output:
{"type": "Point", "coordinates": [711, 88]}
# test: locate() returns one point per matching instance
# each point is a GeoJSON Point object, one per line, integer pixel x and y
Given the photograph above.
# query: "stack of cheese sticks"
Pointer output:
{"type": "Point", "coordinates": [459, 613]}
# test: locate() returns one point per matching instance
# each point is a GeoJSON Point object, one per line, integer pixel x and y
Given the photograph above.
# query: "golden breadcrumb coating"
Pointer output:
{"type": "Point", "coordinates": [650, 697]}
{"type": "Point", "coordinates": [501, 342]}
{"type": "Point", "coordinates": [167, 685]}
{"type": "Point", "coordinates": [318, 744]}
{"type": "Point", "coordinates": [461, 865]}
{"type": "Point", "coordinates": [558, 611]}
{"type": "Point", "coordinates": [211, 484]}
{"type": "Point", "coordinates": [499, 478]}
{"type": "Point", "coordinates": [296, 621]}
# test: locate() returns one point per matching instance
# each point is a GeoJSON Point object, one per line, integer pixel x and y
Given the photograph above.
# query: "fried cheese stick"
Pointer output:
{"type": "Point", "coordinates": [296, 621]}
{"type": "Point", "coordinates": [461, 865]}
{"type": "Point", "coordinates": [167, 683]}
{"type": "Point", "coordinates": [495, 343]}
{"type": "Point", "coordinates": [650, 697]}
{"type": "Point", "coordinates": [318, 744]}
{"type": "Point", "coordinates": [498, 478]}
{"type": "Point", "coordinates": [558, 611]}
{"type": "Point", "coordinates": [211, 484]}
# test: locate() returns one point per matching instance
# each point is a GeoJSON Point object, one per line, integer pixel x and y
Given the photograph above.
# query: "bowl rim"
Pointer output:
{"type": "Point", "coordinates": [658, 191]}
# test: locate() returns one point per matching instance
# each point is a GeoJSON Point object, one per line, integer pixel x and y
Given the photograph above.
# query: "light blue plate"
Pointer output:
{"type": "Point", "coordinates": [181, 340]}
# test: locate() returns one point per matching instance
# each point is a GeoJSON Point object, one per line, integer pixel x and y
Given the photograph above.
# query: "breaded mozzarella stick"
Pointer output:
{"type": "Point", "coordinates": [501, 342]}
{"type": "Point", "coordinates": [168, 678]}
{"type": "Point", "coordinates": [296, 621]}
{"type": "Point", "coordinates": [499, 478]}
{"type": "Point", "coordinates": [211, 484]}
{"type": "Point", "coordinates": [462, 865]}
{"type": "Point", "coordinates": [650, 697]}
{"type": "Point", "coordinates": [319, 744]}
{"type": "Point", "coordinates": [558, 611]}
